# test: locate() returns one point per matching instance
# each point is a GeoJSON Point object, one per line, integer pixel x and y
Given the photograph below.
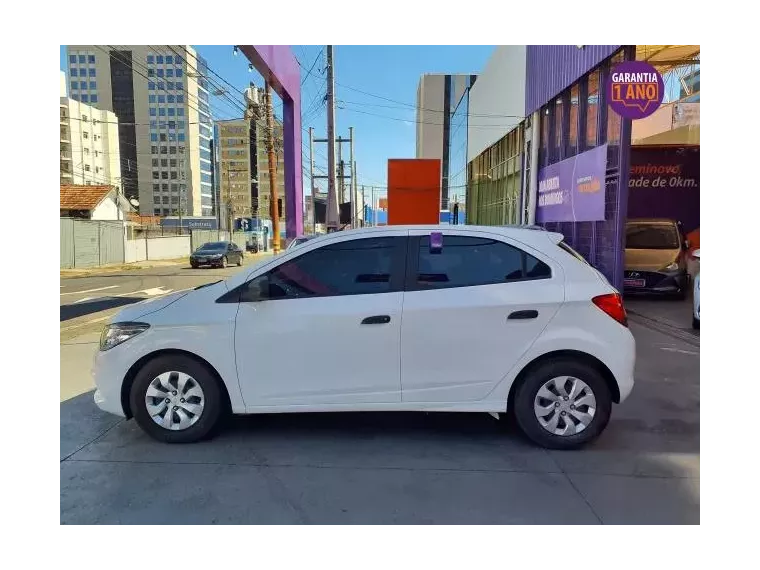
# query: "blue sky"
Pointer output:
{"type": "Point", "coordinates": [392, 72]}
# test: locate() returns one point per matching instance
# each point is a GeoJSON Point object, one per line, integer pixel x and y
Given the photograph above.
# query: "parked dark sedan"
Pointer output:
{"type": "Point", "coordinates": [217, 254]}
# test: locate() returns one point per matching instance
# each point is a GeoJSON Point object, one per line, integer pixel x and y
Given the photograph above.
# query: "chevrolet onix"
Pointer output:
{"type": "Point", "coordinates": [476, 319]}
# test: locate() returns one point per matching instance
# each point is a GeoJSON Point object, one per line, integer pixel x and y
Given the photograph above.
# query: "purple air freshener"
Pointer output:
{"type": "Point", "coordinates": [436, 242]}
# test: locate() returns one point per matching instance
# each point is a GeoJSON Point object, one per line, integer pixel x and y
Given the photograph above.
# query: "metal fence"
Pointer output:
{"type": "Point", "coordinates": [91, 243]}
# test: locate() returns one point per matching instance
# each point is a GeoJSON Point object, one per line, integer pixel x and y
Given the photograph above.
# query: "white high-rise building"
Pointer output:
{"type": "Point", "coordinates": [160, 96]}
{"type": "Point", "coordinates": [89, 145]}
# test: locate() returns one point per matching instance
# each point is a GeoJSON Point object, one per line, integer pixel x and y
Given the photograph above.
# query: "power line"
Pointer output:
{"type": "Point", "coordinates": [485, 115]}
{"type": "Point", "coordinates": [423, 122]}
{"type": "Point", "coordinates": [312, 66]}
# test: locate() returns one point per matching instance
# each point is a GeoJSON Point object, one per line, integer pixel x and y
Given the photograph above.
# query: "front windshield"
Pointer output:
{"type": "Point", "coordinates": [213, 246]}
{"type": "Point", "coordinates": [651, 236]}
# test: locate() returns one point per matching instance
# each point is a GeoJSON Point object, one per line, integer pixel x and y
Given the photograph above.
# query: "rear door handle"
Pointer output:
{"type": "Point", "coordinates": [529, 314]}
{"type": "Point", "coordinates": [377, 320]}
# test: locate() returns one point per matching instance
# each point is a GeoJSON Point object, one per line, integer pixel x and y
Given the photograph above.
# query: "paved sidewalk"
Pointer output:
{"type": "Point", "coordinates": [391, 468]}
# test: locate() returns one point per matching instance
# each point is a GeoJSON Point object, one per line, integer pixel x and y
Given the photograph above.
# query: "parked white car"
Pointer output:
{"type": "Point", "coordinates": [698, 312]}
{"type": "Point", "coordinates": [419, 318]}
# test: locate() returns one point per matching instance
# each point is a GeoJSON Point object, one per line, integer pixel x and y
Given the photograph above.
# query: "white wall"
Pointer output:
{"type": "Point", "coordinates": [106, 210]}
{"type": "Point", "coordinates": [499, 90]}
{"type": "Point", "coordinates": [168, 247]}
{"type": "Point", "coordinates": [135, 250]}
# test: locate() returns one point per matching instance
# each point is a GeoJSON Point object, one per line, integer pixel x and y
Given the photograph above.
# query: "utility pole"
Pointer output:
{"type": "Point", "coordinates": [214, 189]}
{"type": "Point", "coordinates": [311, 181]}
{"type": "Point", "coordinates": [354, 197]}
{"type": "Point", "coordinates": [333, 215]}
{"type": "Point", "coordinates": [352, 166]}
{"type": "Point", "coordinates": [273, 200]}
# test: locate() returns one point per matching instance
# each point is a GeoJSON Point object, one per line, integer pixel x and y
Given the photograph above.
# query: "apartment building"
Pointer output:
{"type": "Point", "coordinates": [160, 96]}
{"type": "Point", "coordinates": [89, 145]}
{"type": "Point", "coordinates": [237, 174]}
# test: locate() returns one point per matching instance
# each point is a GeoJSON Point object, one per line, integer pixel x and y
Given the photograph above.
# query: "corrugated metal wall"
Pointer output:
{"type": "Point", "coordinates": [91, 243]}
{"type": "Point", "coordinates": [551, 69]}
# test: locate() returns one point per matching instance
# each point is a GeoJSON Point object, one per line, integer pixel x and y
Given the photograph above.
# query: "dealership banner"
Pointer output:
{"type": "Point", "coordinates": [573, 190]}
{"type": "Point", "coordinates": [664, 183]}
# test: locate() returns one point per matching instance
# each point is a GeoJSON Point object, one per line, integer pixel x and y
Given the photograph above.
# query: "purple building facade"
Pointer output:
{"type": "Point", "coordinates": [565, 84]}
{"type": "Point", "coordinates": [279, 67]}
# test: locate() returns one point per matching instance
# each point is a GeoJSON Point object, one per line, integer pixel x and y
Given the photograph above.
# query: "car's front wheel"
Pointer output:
{"type": "Point", "coordinates": [176, 399]}
{"type": "Point", "coordinates": [562, 404]}
{"type": "Point", "coordinates": [223, 262]}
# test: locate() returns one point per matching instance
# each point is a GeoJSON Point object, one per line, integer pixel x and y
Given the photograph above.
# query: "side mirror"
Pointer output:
{"type": "Point", "coordinates": [686, 244]}
{"type": "Point", "coordinates": [268, 290]}
{"type": "Point", "coordinates": [695, 253]}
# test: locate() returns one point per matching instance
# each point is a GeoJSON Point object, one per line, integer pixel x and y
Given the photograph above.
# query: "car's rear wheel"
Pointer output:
{"type": "Point", "coordinates": [176, 399]}
{"type": "Point", "coordinates": [695, 323]}
{"type": "Point", "coordinates": [562, 404]}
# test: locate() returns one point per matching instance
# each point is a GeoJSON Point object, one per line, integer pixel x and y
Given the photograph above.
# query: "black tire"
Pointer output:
{"type": "Point", "coordinates": [525, 395]}
{"type": "Point", "coordinates": [213, 406]}
{"type": "Point", "coordinates": [695, 323]}
{"type": "Point", "coordinates": [194, 265]}
{"type": "Point", "coordinates": [223, 263]}
{"type": "Point", "coordinates": [240, 260]}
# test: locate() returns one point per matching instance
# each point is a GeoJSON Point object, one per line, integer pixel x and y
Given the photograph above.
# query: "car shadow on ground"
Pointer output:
{"type": "Point", "coordinates": [83, 308]}
{"type": "Point", "coordinates": [376, 467]}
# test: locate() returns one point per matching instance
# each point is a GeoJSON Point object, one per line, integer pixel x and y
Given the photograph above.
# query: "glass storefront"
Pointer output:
{"type": "Point", "coordinates": [495, 180]}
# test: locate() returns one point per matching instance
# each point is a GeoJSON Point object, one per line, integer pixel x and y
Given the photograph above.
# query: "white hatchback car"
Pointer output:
{"type": "Point", "coordinates": [418, 318]}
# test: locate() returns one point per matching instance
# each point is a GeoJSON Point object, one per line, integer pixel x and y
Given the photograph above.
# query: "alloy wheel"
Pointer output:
{"type": "Point", "coordinates": [565, 405]}
{"type": "Point", "coordinates": [174, 400]}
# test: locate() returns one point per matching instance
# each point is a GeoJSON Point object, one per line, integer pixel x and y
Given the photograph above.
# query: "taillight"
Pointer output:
{"type": "Point", "coordinates": [612, 304]}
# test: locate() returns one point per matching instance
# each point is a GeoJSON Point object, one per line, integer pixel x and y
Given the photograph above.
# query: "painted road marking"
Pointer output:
{"type": "Point", "coordinates": [149, 292]}
{"type": "Point", "coordinates": [680, 351]}
{"type": "Point", "coordinates": [90, 290]}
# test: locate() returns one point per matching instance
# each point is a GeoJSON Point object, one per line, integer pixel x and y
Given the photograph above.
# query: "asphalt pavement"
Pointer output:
{"type": "Point", "coordinates": [383, 468]}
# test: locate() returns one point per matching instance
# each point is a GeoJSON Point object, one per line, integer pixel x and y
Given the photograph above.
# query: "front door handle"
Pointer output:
{"type": "Point", "coordinates": [529, 314]}
{"type": "Point", "coordinates": [377, 320]}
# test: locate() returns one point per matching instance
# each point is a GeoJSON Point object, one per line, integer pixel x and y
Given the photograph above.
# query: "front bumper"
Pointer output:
{"type": "Point", "coordinates": [205, 261]}
{"type": "Point", "coordinates": [108, 373]}
{"type": "Point", "coordinates": [655, 282]}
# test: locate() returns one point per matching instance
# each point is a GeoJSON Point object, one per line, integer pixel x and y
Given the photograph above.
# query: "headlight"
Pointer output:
{"type": "Point", "coordinates": [672, 267]}
{"type": "Point", "coordinates": [117, 333]}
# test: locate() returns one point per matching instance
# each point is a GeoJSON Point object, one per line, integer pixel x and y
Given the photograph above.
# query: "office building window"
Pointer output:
{"type": "Point", "coordinates": [156, 187]}
{"type": "Point", "coordinates": [170, 72]}
{"type": "Point", "coordinates": [83, 85]}
{"type": "Point", "coordinates": [153, 137]}
{"type": "Point", "coordinates": [169, 85]}
{"type": "Point", "coordinates": [165, 199]}
{"type": "Point", "coordinates": [75, 85]}
{"type": "Point", "coordinates": [178, 86]}
{"type": "Point", "coordinates": [151, 98]}
{"type": "Point", "coordinates": [164, 186]}
{"type": "Point", "coordinates": [180, 98]}
{"type": "Point", "coordinates": [150, 58]}
{"type": "Point", "coordinates": [73, 72]}
{"type": "Point", "coordinates": [156, 199]}
{"type": "Point", "coordinates": [161, 86]}
{"type": "Point", "coordinates": [168, 59]}
{"type": "Point", "coordinates": [173, 163]}
{"type": "Point", "coordinates": [170, 98]}
{"type": "Point", "coordinates": [151, 72]}
{"type": "Point", "coordinates": [165, 175]}
{"type": "Point", "coordinates": [153, 125]}
{"type": "Point", "coordinates": [91, 72]}
{"type": "Point", "coordinates": [93, 98]}
{"type": "Point", "coordinates": [162, 112]}
{"type": "Point", "coordinates": [93, 86]}
{"type": "Point", "coordinates": [152, 111]}
{"type": "Point", "coordinates": [160, 72]}
{"type": "Point", "coordinates": [159, 59]}
{"type": "Point", "coordinates": [171, 111]}
{"type": "Point", "coordinates": [151, 85]}
{"type": "Point", "coordinates": [175, 199]}
{"type": "Point", "coordinates": [178, 73]}
{"type": "Point", "coordinates": [85, 135]}
{"type": "Point", "coordinates": [172, 150]}
{"type": "Point", "coordinates": [82, 72]}
{"type": "Point", "coordinates": [90, 59]}
{"type": "Point", "coordinates": [181, 125]}
{"type": "Point", "coordinates": [154, 149]}
{"type": "Point", "coordinates": [172, 124]}
{"type": "Point", "coordinates": [162, 98]}
{"type": "Point", "coordinates": [85, 99]}
{"type": "Point", "coordinates": [82, 59]}
{"type": "Point", "coordinates": [156, 211]}
{"type": "Point", "coordinates": [181, 137]}
{"type": "Point", "coordinates": [72, 59]}
{"type": "Point", "coordinates": [180, 110]}
{"type": "Point", "coordinates": [163, 150]}
{"type": "Point", "coordinates": [164, 162]}
{"type": "Point", "coordinates": [155, 175]}
{"type": "Point", "coordinates": [162, 125]}
{"type": "Point", "coordinates": [163, 137]}
{"type": "Point", "coordinates": [172, 137]}
{"type": "Point", "coordinates": [174, 187]}
{"type": "Point", "coordinates": [154, 162]}
{"type": "Point", "coordinates": [174, 175]}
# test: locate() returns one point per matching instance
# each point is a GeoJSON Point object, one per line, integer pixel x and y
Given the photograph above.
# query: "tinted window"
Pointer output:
{"type": "Point", "coordinates": [355, 267]}
{"type": "Point", "coordinates": [651, 236]}
{"type": "Point", "coordinates": [471, 261]}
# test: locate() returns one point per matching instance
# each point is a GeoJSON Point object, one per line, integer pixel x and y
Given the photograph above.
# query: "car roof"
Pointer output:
{"type": "Point", "coordinates": [526, 234]}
